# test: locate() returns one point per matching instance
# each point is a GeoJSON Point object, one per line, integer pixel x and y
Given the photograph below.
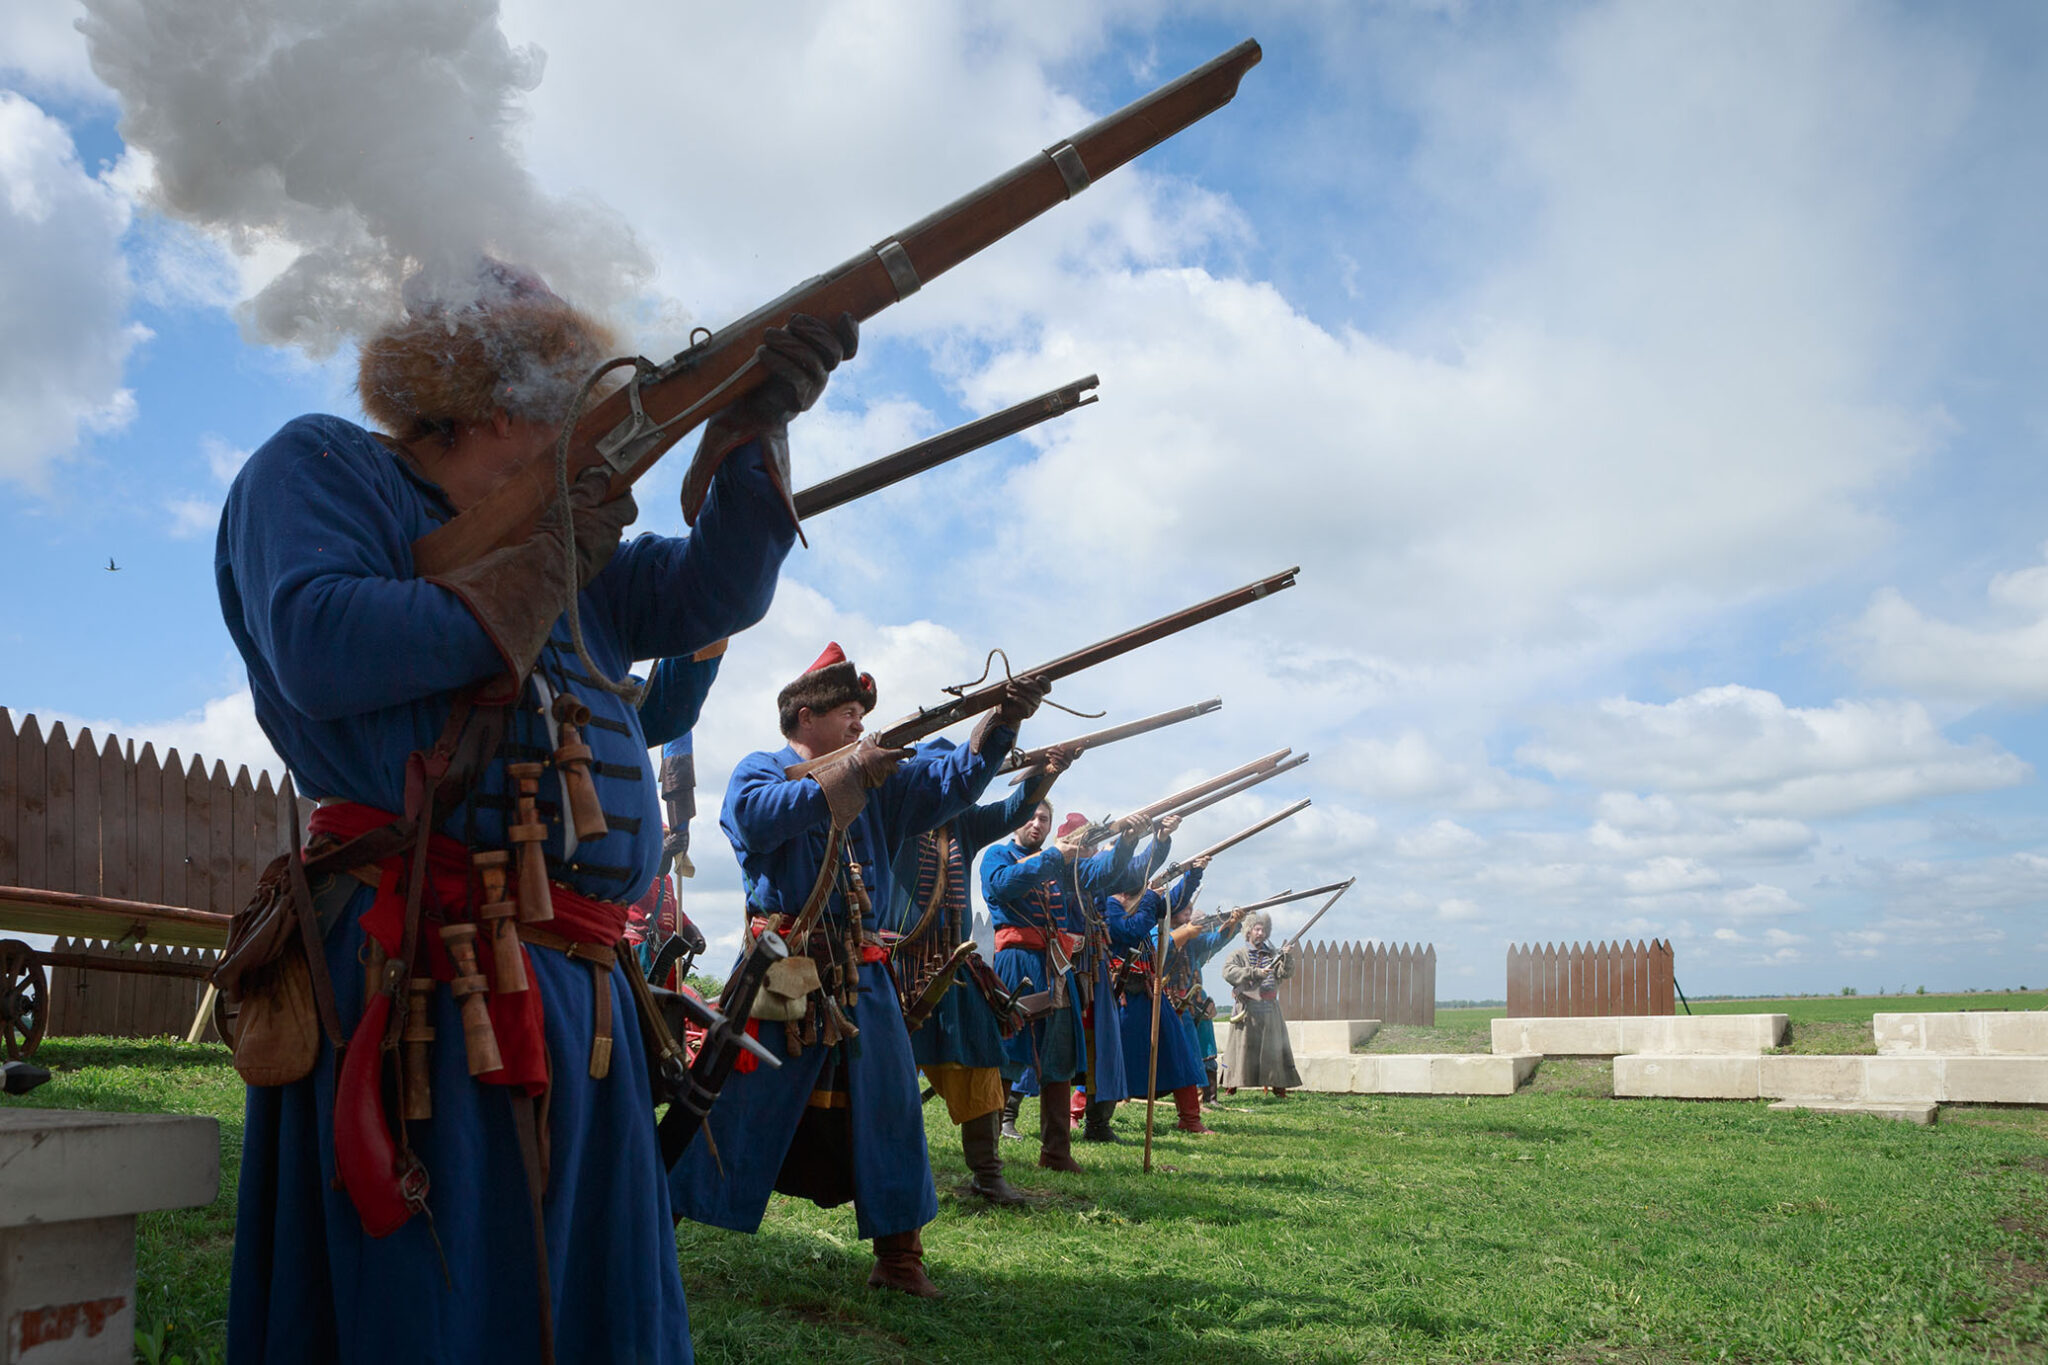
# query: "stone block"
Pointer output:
{"type": "Point", "coordinates": [1327, 1072]}
{"type": "Point", "coordinates": [1900, 1079]}
{"type": "Point", "coordinates": [1480, 1074]}
{"type": "Point", "coordinates": [2020, 1033]}
{"type": "Point", "coordinates": [1665, 1035]}
{"type": "Point", "coordinates": [1647, 1076]}
{"type": "Point", "coordinates": [1905, 1111]}
{"type": "Point", "coordinates": [1826, 1078]}
{"type": "Point", "coordinates": [1412, 1074]}
{"type": "Point", "coordinates": [71, 1183]}
{"type": "Point", "coordinates": [1996, 1080]}
{"type": "Point", "coordinates": [1330, 1035]}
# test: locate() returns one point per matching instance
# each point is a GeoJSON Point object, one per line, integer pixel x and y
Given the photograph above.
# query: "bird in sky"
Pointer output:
{"type": "Point", "coordinates": [112, 567]}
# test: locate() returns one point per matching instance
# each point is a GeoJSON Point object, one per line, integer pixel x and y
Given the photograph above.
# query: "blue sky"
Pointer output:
{"type": "Point", "coordinates": [1649, 394]}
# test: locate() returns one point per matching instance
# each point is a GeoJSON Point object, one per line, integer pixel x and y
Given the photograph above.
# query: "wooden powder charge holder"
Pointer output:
{"type": "Point", "coordinates": [573, 758]}
{"type": "Point", "coordinates": [498, 917]}
{"type": "Point", "coordinates": [536, 903]}
{"type": "Point", "coordinates": [471, 988]}
{"type": "Point", "coordinates": [419, 1035]}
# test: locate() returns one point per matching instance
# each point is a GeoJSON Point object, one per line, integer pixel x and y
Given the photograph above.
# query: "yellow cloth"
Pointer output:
{"type": "Point", "coordinates": [969, 1091]}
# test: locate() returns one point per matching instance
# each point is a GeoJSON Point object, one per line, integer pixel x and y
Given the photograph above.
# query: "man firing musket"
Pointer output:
{"type": "Point", "coordinates": [1260, 1053]}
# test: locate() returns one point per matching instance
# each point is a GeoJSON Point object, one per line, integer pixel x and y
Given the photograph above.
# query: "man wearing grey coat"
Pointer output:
{"type": "Point", "coordinates": [1259, 1053]}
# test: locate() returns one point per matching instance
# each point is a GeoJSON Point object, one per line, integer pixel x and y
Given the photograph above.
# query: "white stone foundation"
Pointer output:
{"type": "Point", "coordinates": [1669, 1035]}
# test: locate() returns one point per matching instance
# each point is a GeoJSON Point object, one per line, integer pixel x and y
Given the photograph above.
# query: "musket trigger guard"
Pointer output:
{"type": "Point", "coordinates": [620, 445]}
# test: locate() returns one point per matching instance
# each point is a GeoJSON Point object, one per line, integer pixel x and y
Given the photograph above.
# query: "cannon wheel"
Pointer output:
{"type": "Point", "coordinates": [24, 999]}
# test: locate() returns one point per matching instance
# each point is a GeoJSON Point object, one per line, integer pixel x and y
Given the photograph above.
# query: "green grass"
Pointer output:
{"type": "Point", "coordinates": [1553, 1225]}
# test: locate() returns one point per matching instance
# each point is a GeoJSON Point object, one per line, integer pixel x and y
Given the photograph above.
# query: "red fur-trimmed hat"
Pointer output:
{"type": "Point", "coordinates": [1075, 820]}
{"type": "Point", "coordinates": [831, 681]}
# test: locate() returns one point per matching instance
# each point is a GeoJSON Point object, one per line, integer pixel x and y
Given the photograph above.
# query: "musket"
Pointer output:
{"type": "Point", "coordinates": [1246, 785]}
{"type": "Point", "coordinates": [947, 445]}
{"type": "Point", "coordinates": [1174, 869]}
{"type": "Point", "coordinates": [631, 427]}
{"type": "Point", "coordinates": [1032, 760]}
{"type": "Point", "coordinates": [926, 721]}
{"type": "Point", "coordinates": [725, 1037]}
{"type": "Point", "coordinates": [1341, 888]}
{"type": "Point", "coordinates": [1096, 831]}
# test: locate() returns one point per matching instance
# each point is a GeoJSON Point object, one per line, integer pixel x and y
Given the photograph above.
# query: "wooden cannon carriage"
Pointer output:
{"type": "Point", "coordinates": [135, 861]}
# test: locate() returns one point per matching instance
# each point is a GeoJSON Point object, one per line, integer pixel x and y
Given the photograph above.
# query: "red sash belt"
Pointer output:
{"type": "Point", "coordinates": [517, 1018]}
{"type": "Point", "coordinates": [1010, 936]}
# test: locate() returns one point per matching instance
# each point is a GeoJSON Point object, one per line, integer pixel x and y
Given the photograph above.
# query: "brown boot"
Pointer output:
{"type": "Point", "coordinates": [1187, 1101]}
{"type": "Point", "coordinates": [978, 1144]}
{"type": "Point", "coordinates": [1055, 1129]}
{"type": "Point", "coordinates": [899, 1265]}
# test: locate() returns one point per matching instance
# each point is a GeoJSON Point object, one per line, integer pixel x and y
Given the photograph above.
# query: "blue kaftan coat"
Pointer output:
{"type": "Point", "coordinates": [778, 828]}
{"type": "Point", "coordinates": [1180, 1053]}
{"type": "Point", "coordinates": [962, 1029]}
{"type": "Point", "coordinates": [1036, 891]}
{"type": "Point", "coordinates": [352, 661]}
{"type": "Point", "coordinates": [1200, 950]}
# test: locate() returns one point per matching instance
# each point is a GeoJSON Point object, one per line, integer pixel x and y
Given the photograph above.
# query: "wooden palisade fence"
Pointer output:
{"type": "Point", "coordinates": [147, 991]}
{"type": "Point", "coordinates": [111, 848]}
{"type": "Point", "coordinates": [1552, 981]}
{"type": "Point", "coordinates": [1395, 984]}
{"type": "Point", "coordinates": [92, 818]}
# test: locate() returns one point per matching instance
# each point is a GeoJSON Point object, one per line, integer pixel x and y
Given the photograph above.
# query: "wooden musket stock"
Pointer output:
{"type": "Point", "coordinates": [1098, 830]}
{"type": "Point", "coordinates": [930, 720]}
{"type": "Point", "coordinates": [1246, 785]}
{"type": "Point", "coordinates": [631, 427]}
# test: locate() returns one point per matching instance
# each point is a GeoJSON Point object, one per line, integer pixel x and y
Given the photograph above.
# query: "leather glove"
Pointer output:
{"type": "Point", "coordinates": [798, 359]}
{"type": "Point", "coordinates": [518, 592]}
{"type": "Point", "coordinates": [1059, 758]}
{"type": "Point", "coordinates": [847, 781]}
{"type": "Point", "coordinates": [1020, 700]}
{"type": "Point", "coordinates": [690, 934]}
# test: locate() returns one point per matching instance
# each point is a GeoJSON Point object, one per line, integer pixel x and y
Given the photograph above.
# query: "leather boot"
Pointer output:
{"type": "Point", "coordinates": [1209, 1100]}
{"type": "Point", "coordinates": [899, 1265]}
{"type": "Point", "coordinates": [1012, 1102]}
{"type": "Point", "coordinates": [1055, 1129]}
{"type": "Point", "coordinates": [1077, 1108]}
{"type": "Point", "coordinates": [978, 1145]}
{"type": "Point", "coordinates": [1096, 1128]}
{"type": "Point", "coordinates": [1187, 1101]}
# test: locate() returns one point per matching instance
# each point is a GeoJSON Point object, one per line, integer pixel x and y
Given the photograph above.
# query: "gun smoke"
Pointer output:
{"type": "Point", "coordinates": [364, 142]}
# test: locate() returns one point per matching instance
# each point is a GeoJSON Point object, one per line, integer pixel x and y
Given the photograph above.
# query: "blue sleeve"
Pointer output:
{"type": "Point", "coordinates": [1131, 928]}
{"type": "Point", "coordinates": [1107, 871]}
{"type": "Point", "coordinates": [983, 825]}
{"type": "Point", "coordinates": [1005, 877]}
{"type": "Point", "coordinates": [675, 697]}
{"type": "Point", "coordinates": [895, 917]}
{"type": "Point", "coordinates": [933, 786]}
{"type": "Point", "coordinates": [1157, 856]}
{"type": "Point", "coordinates": [1184, 890]}
{"type": "Point", "coordinates": [764, 810]}
{"type": "Point", "coordinates": [668, 596]}
{"type": "Point", "coordinates": [318, 552]}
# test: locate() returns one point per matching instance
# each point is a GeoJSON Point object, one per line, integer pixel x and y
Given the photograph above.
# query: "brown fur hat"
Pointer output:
{"type": "Point", "coordinates": [831, 681]}
{"type": "Point", "coordinates": [503, 342]}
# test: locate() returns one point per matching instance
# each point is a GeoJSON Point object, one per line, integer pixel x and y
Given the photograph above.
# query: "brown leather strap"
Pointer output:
{"type": "Point", "coordinates": [602, 958]}
{"type": "Point", "coordinates": [310, 938]}
{"type": "Point", "coordinates": [527, 1129]}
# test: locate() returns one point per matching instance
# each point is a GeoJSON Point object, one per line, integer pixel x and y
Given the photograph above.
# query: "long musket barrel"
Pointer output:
{"type": "Point", "coordinates": [1246, 785]}
{"type": "Point", "coordinates": [1031, 760]}
{"type": "Point", "coordinates": [930, 720]}
{"type": "Point", "coordinates": [1284, 897]}
{"type": "Point", "coordinates": [1173, 869]}
{"type": "Point", "coordinates": [1099, 829]}
{"type": "Point", "coordinates": [630, 428]}
{"type": "Point", "coordinates": [1335, 896]}
{"type": "Point", "coordinates": [827, 494]}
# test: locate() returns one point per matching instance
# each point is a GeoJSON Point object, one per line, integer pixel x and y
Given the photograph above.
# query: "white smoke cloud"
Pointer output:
{"type": "Point", "coordinates": [344, 146]}
{"type": "Point", "coordinates": [64, 331]}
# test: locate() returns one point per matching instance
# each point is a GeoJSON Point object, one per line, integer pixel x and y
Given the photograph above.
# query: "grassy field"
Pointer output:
{"type": "Point", "coordinates": [1553, 1225]}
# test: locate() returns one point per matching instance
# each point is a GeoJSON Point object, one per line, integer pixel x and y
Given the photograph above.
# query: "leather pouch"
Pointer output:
{"type": "Point", "coordinates": [264, 971]}
{"type": "Point", "coordinates": [786, 989]}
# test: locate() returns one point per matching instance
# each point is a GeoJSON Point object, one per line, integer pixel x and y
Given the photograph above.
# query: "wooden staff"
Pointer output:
{"type": "Point", "coordinates": [1158, 994]}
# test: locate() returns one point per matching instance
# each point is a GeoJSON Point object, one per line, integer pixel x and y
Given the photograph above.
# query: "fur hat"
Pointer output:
{"type": "Point", "coordinates": [830, 682]}
{"type": "Point", "coordinates": [1075, 820]}
{"type": "Point", "coordinates": [500, 342]}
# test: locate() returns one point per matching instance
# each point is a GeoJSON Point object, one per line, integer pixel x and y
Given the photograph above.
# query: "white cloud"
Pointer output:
{"type": "Point", "coordinates": [1742, 751]}
{"type": "Point", "coordinates": [1633, 826]}
{"type": "Point", "coordinates": [191, 517]}
{"type": "Point", "coordinates": [223, 730]}
{"type": "Point", "coordinates": [42, 51]}
{"type": "Point", "coordinates": [1661, 875]}
{"type": "Point", "coordinates": [1440, 839]}
{"type": "Point", "coordinates": [2003, 659]}
{"type": "Point", "coordinates": [1411, 768]}
{"type": "Point", "coordinates": [64, 331]}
